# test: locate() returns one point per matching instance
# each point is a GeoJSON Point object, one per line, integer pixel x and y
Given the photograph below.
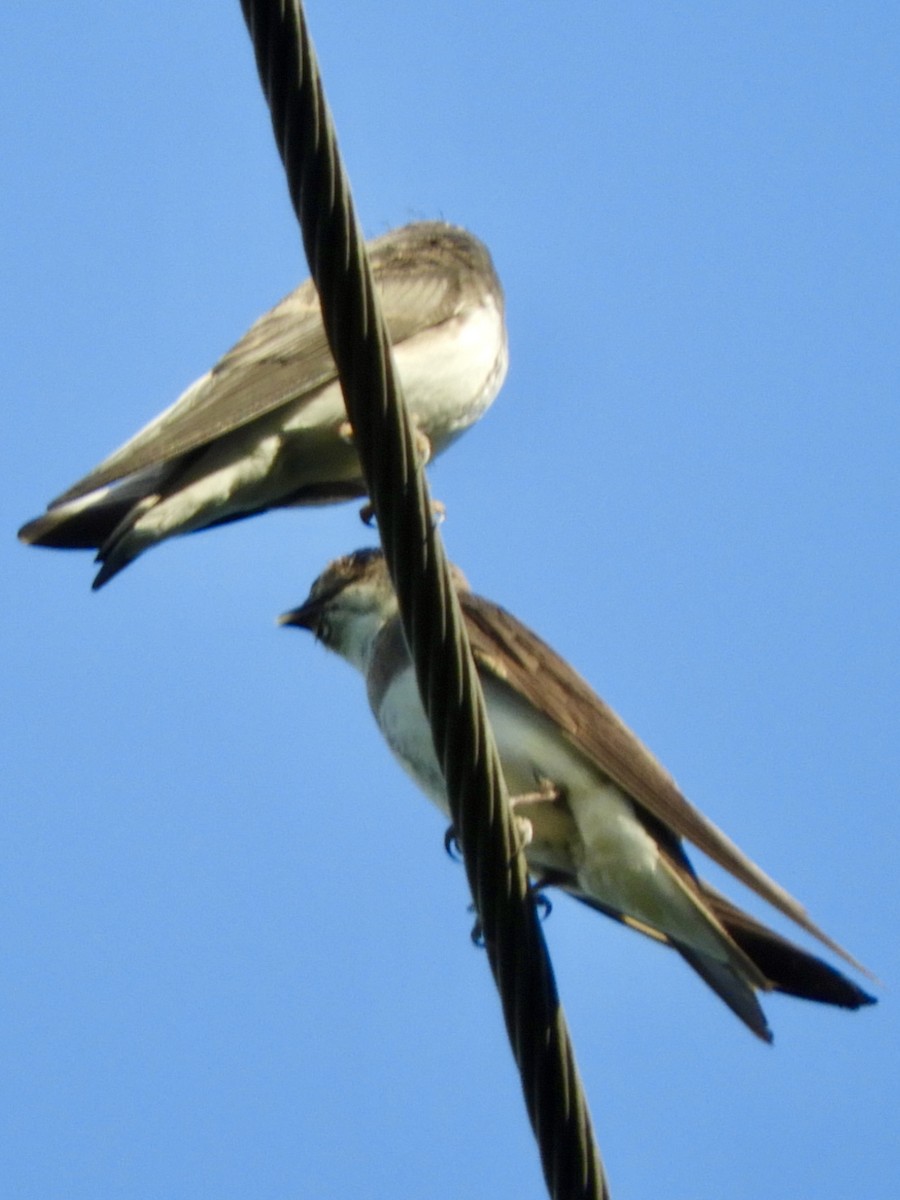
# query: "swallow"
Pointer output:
{"type": "Point", "coordinates": [267, 428]}
{"type": "Point", "coordinates": [596, 814]}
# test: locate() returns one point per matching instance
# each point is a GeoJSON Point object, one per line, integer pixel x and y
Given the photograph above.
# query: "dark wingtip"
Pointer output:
{"type": "Point", "coordinates": [789, 968]}
{"type": "Point", "coordinates": [85, 529]}
{"type": "Point", "coordinates": [861, 999]}
{"type": "Point", "coordinates": [32, 531]}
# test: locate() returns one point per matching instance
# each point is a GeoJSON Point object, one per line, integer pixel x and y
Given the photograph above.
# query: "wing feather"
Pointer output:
{"type": "Point", "coordinates": [512, 654]}
{"type": "Point", "coordinates": [425, 273]}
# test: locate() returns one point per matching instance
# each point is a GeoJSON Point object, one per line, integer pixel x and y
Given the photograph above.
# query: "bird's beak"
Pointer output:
{"type": "Point", "coordinates": [304, 617]}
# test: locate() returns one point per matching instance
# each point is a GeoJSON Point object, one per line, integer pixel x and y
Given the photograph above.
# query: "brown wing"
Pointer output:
{"type": "Point", "coordinates": [518, 658]}
{"type": "Point", "coordinates": [425, 273]}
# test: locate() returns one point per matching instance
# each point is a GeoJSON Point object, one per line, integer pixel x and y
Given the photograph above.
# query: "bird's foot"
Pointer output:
{"type": "Point", "coordinates": [438, 512]}
{"type": "Point", "coordinates": [546, 792]}
{"type": "Point", "coordinates": [542, 904]}
{"type": "Point", "coordinates": [451, 844]}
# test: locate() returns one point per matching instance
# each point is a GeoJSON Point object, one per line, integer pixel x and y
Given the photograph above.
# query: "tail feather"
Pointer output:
{"type": "Point", "coordinates": [88, 521]}
{"type": "Point", "coordinates": [783, 966]}
{"type": "Point", "coordinates": [124, 543]}
{"type": "Point", "coordinates": [727, 979]}
{"type": "Point", "coordinates": [788, 968]}
{"type": "Point", "coordinates": [729, 985]}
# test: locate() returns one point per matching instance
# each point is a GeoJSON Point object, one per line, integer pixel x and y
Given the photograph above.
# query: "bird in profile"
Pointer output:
{"type": "Point", "coordinates": [267, 428]}
{"type": "Point", "coordinates": [597, 815]}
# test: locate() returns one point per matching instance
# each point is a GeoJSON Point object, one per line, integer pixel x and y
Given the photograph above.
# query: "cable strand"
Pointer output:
{"type": "Point", "coordinates": [430, 612]}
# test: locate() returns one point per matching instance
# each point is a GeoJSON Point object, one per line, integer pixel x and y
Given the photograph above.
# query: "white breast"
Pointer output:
{"type": "Point", "coordinates": [533, 754]}
{"type": "Point", "coordinates": [402, 721]}
{"type": "Point", "coordinates": [453, 372]}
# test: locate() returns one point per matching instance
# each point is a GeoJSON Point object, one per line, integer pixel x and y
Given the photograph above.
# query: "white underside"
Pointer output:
{"type": "Point", "coordinates": [594, 837]}
{"type": "Point", "coordinates": [450, 375]}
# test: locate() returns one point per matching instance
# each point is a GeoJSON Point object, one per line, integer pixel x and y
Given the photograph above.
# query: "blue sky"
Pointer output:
{"type": "Point", "coordinates": [236, 958]}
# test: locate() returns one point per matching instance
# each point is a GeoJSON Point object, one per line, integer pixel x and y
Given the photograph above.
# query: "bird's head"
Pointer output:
{"type": "Point", "coordinates": [350, 603]}
{"type": "Point", "coordinates": [347, 605]}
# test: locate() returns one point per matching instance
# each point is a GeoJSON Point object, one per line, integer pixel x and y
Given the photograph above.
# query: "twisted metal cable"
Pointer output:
{"type": "Point", "coordinates": [429, 609]}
